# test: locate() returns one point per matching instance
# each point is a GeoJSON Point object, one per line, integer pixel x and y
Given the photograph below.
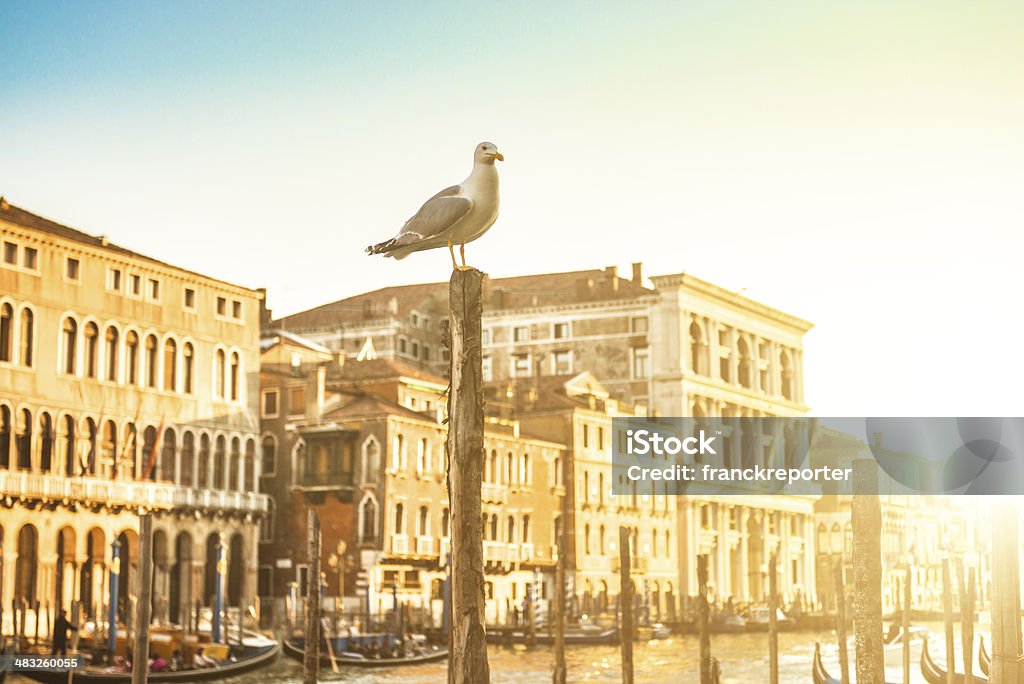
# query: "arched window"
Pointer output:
{"type": "Point", "coordinates": [745, 364]}
{"type": "Point", "coordinates": [169, 455]}
{"type": "Point", "coordinates": [268, 465]}
{"type": "Point", "coordinates": [5, 437]}
{"type": "Point", "coordinates": [495, 470]}
{"type": "Point", "coordinates": [219, 371]}
{"type": "Point", "coordinates": [526, 529]}
{"type": "Point", "coordinates": [494, 528]}
{"type": "Point", "coordinates": [510, 532]}
{"type": "Point", "coordinates": [170, 365]}
{"type": "Point", "coordinates": [6, 332]}
{"type": "Point", "coordinates": [91, 339]}
{"type": "Point", "coordinates": [131, 350]}
{"type": "Point", "coordinates": [786, 364]}
{"type": "Point", "coordinates": [249, 467]}
{"type": "Point", "coordinates": [220, 449]}
{"type": "Point", "coordinates": [446, 522]}
{"type": "Point", "coordinates": [600, 540]}
{"type": "Point", "coordinates": [424, 528]}
{"type": "Point", "coordinates": [92, 447]}
{"type": "Point", "coordinates": [23, 440]}
{"type": "Point", "coordinates": [835, 543]}
{"type": "Point", "coordinates": [45, 442]}
{"type": "Point", "coordinates": [510, 471]}
{"type": "Point", "coordinates": [187, 362]}
{"type": "Point", "coordinates": [149, 453]}
{"type": "Point", "coordinates": [822, 538]}
{"type": "Point", "coordinates": [26, 337]}
{"type": "Point", "coordinates": [399, 519]}
{"type": "Point", "coordinates": [423, 456]}
{"type": "Point", "coordinates": [69, 449]}
{"type": "Point", "coordinates": [110, 352]}
{"type": "Point", "coordinates": [188, 459]}
{"type": "Point", "coordinates": [524, 469]}
{"type": "Point", "coordinates": [586, 539]}
{"type": "Point", "coordinates": [203, 464]}
{"type": "Point", "coordinates": [368, 517]}
{"type": "Point", "coordinates": [234, 464]}
{"type": "Point", "coordinates": [151, 350]}
{"type": "Point", "coordinates": [698, 349]}
{"type": "Point", "coordinates": [236, 369]}
{"type": "Point", "coordinates": [108, 448]}
{"type": "Point", "coordinates": [69, 332]}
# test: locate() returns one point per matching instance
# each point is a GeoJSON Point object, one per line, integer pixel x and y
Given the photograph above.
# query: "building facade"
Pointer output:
{"type": "Point", "coordinates": [126, 385]}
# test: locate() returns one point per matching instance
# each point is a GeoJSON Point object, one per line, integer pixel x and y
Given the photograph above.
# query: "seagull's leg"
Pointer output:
{"type": "Point", "coordinates": [462, 251]}
{"type": "Point", "coordinates": [451, 251]}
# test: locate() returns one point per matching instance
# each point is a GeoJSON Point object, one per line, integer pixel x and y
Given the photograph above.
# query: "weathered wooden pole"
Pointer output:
{"type": "Point", "coordinates": [626, 605]}
{"type": "Point", "coordinates": [844, 656]}
{"type": "Point", "coordinates": [311, 634]}
{"type": "Point", "coordinates": [1005, 608]}
{"type": "Point", "coordinates": [908, 588]}
{"type": "Point", "coordinates": [773, 620]}
{"type": "Point", "coordinates": [947, 615]}
{"type": "Point", "coordinates": [967, 621]}
{"type": "Point", "coordinates": [703, 621]}
{"type": "Point", "coordinates": [467, 659]}
{"type": "Point", "coordinates": [140, 650]}
{"type": "Point", "coordinates": [560, 672]}
{"type": "Point", "coordinates": [866, 516]}
{"type": "Point", "coordinates": [76, 608]}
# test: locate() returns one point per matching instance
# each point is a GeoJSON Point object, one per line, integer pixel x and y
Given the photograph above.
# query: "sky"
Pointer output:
{"type": "Point", "coordinates": [859, 165]}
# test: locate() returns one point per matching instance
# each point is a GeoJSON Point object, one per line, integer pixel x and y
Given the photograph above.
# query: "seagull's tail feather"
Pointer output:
{"type": "Point", "coordinates": [381, 247]}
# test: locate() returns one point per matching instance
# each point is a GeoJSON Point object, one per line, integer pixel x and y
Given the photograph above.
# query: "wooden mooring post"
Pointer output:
{"type": "Point", "coordinates": [866, 516]}
{"type": "Point", "coordinates": [464, 447]}
{"type": "Point", "coordinates": [844, 655]}
{"type": "Point", "coordinates": [967, 621]}
{"type": "Point", "coordinates": [140, 649]}
{"type": "Point", "coordinates": [947, 618]}
{"type": "Point", "coordinates": [626, 605]}
{"type": "Point", "coordinates": [704, 621]}
{"type": "Point", "coordinates": [560, 672]}
{"type": "Point", "coordinates": [773, 620]}
{"type": "Point", "coordinates": [908, 589]}
{"type": "Point", "coordinates": [311, 634]}
{"type": "Point", "coordinates": [1005, 597]}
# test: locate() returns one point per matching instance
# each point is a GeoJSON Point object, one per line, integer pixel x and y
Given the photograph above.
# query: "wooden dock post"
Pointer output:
{"type": "Point", "coordinates": [947, 615]}
{"type": "Point", "coordinates": [908, 588]}
{"type": "Point", "coordinates": [560, 672]}
{"type": "Point", "coordinates": [703, 621]}
{"type": "Point", "coordinates": [626, 605]}
{"type": "Point", "coordinates": [1005, 601]}
{"type": "Point", "coordinates": [140, 650]}
{"type": "Point", "coordinates": [844, 655]}
{"type": "Point", "coordinates": [967, 621]}
{"type": "Point", "coordinates": [467, 660]}
{"type": "Point", "coordinates": [311, 634]}
{"type": "Point", "coordinates": [866, 516]}
{"type": "Point", "coordinates": [773, 620]}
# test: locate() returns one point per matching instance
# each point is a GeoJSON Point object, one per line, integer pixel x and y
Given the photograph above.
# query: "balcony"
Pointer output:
{"type": "Point", "coordinates": [155, 495]}
{"type": "Point", "coordinates": [636, 564]}
{"type": "Point", "coordinates": [494, 493]}
{"type": "Point", "coordinates": [400, 544]}
{"type": "Point", "coordinates": [425, 546]}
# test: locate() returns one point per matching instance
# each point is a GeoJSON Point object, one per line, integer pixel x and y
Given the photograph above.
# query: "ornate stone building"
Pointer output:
{"type": "Point", "coordinates": [126, 385]}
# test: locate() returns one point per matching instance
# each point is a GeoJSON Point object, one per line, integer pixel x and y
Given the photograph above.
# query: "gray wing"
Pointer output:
{"type": "Point", "coordinates": [437, 215]}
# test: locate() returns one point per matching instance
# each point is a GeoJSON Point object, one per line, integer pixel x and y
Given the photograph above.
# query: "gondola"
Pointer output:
{"type": "Point", "coordinates": [296, 649]}
{"type": "Point", "coordinates": [573, 637]}
{"type": "Point", "coordinates": [933, 674]}
{"type": "Point", "coordinates": [819, 674]}
{"type": "Point", "coordinates": [248, 658]}
{"type": "Point", "coordinates": [984, 660]}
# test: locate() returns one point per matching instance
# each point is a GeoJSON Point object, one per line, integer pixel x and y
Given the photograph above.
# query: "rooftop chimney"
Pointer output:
{"type": "Point", "coordinates": [638, 272]}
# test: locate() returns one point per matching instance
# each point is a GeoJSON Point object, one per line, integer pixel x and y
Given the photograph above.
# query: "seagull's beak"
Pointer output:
{"type": "Point", "coordinates": [499, 156]}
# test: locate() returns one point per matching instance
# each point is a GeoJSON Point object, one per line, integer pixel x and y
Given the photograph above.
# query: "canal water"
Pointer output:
{"type": "Point", "coordinates": [744, 659]}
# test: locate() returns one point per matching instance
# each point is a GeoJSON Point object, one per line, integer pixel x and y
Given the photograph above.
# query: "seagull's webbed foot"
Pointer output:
{"type": "Point", "coordinates": [463, 268]}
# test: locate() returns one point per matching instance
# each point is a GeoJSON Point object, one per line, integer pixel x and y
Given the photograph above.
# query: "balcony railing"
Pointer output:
{"type": "Point", "coordinates": [400, 544]}
{"type": "Point", "coordinates": [425, 546]}
{"type": "Point", "coordinates": [493, 493]}
{"type": "Point", "coordinates": [124, 493]}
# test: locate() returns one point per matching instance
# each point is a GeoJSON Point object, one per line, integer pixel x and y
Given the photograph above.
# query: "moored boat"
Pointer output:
{"type": "Point", "coordinates": [984, 659]}
{"type": "Point", "coordinates": [933, 674]}
{"type": "Point", "coordinates": [355, 651]}
{"type": "Point", "coordinates": [819, 675]}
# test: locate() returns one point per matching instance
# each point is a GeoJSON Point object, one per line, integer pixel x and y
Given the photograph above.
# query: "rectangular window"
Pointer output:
{"type": "Point", "coordinates": [521, 334]}
{"type": "Point", "coordinates": [561, 362]}
{"type": "Point", "coordinates": [297, 401]}
{"type": "Point", "coordinates": [10, 253]}
{"type": "Point", "coordinates": [270, 404]}
{"type": "Point", "coordinates": [135, 285]}
{"type": "Point", "coordinates": [641, 363]}
{"type": "Point", "coordinates": [114, 279]}
{"type": "Point", "coordinates": [236, 309]}
{"type": "Point", "coordinates": [401, 345]}
{"type": "Point", "coordinates": [30, 258]}
{"type": "Point", "coordinates": [265, 584]}
{"type": "Point", "coordinates": [415, 349]}
{"type": "Point", "coordinates": [154, 289]}
{"type": "Point", "coordinates": [190, 298]}
{"type": "Point", "coordinates": [222, 306]}
{"type": "Point", "coordinates": [488, 369]}
{"type": "Point", "coordinates": [520, 365]}
{"type": "Point", "coordinates": [71, 269]}
{"type": "Point", "coordinates": [560, 331]}
{"type": "Point", "coordinates": [426, 353]}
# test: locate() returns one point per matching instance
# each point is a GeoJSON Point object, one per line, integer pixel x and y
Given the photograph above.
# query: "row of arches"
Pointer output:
{"type": "Point", "coordinates": [106, 448]}
{"type": "Point", "coordinates": [744, 359]}
{"type": "Point", "coordinates": [656, 597]}
{"type": "Point", "coordinates": [82, 572]}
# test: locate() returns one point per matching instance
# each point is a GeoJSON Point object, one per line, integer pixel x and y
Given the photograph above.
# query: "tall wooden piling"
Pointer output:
{"type": "Point", "coordinates": [311, 658]}
{"type": "Point", "coordinates": [967, 622]}
{"type": "Point", "coordinates": [704, 621]}
{"type": "Point", "coordinates": [560, 672]}
{"type": "Point", "coordinates": [908, 589]}
{"type": "Point", "coordinates": [467, 663]}
{"type": "Point", "coordinates": [947, 618]}
{"type": "Point", "coordinates": [140, 649]}
{"type": "Point", "coordinates": [1005, 602]}
{"type": "Point", "coordinates": [773, 620]}
{"type": "Point", "coordinates": [844, 655]}
{"type": "Point", "coordinates": [626, 605]}
{"type": "Point", "coordinates": [867, 573]}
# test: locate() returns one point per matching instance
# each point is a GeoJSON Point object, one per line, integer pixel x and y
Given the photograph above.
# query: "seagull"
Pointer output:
{"type": "Point", "coordinates": [454, 216]}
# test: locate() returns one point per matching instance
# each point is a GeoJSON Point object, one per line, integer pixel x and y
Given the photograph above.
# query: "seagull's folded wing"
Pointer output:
{"type": "Point", "coordinates": [436, 217]}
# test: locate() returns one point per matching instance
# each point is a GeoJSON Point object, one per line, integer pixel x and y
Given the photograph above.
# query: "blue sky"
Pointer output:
{"type": "Point", "coordinates": [857, 165]}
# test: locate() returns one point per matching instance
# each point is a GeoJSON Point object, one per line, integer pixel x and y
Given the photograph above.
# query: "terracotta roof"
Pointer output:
{"type": "Point", "coordinates": [368, 406]}
{"type": "Point", "coordinates": [26, 219]}
{"type": "Point", "coordinates": [381, 369]}
{"type": "Point", "coordinates": [518, 292]}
